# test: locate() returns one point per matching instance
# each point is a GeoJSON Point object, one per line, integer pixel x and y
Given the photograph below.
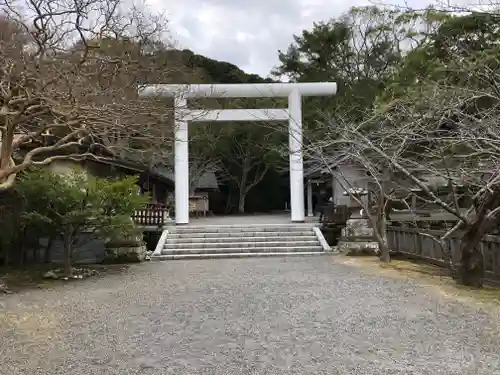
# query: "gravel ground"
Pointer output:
{"type": "Point", "coordinates": [310, 315]}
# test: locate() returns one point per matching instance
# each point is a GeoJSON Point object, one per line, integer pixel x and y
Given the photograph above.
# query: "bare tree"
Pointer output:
{"type": "Point", "coordinates": [244, 167]}
{"type": "Point", "coordinates": [247, 154]}
{"type": "Point", "coordinates": [69, 76]}
{"type": "Point", "coordinates": [443, 128]}
{"type": "Point", "coordinates": [203, 155]}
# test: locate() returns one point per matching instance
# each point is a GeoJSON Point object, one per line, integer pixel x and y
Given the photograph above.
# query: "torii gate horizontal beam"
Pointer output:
{"type": "Point", "coordinates": [275, 114]}
{"type": "Point", "coordinates": [243, 90]}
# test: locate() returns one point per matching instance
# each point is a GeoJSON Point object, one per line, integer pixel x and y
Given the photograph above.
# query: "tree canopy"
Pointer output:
{"type": "Point", "coordinates": [359, 50]}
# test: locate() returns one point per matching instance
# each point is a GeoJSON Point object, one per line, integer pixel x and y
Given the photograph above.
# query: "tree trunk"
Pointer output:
{"type": "Point", "coordinates": [6, 146]}
{"type": "Point", "coordinates": [48, 248]}
{"type": "Point", "coordinates": [380, 229]}
{"type": "Point", "coordinates": [22, 248]}
{"type": "Point", "coordinates": [192, 188]}
{"type": "Point", "coordinates": [385, 255]}
{"type": "Point", "coordinates": [35, 255]}
{"type": "Point", "coordinates": [6, 252]}
{"type": "Point", "coordinates": [380, 234]}
{"type": "Point", "coordinates": [67, 241]}
{"type": "Point", "coordinates": [241, 202]}
{"type": "Point", "coordinates": [229, 205]}
{"type": "Point", "coordinates": [470, 271]}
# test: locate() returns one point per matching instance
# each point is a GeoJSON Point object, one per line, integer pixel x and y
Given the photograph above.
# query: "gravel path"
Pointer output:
{"type": "Point", "coordinates": [245, 316]}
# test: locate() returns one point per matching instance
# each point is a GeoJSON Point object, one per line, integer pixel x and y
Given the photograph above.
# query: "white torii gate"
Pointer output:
{"type": "Point", "coordinates": [294, 92]}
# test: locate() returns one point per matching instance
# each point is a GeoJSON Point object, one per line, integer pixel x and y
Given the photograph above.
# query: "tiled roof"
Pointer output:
{"type": "Point", "coordinates": [208, 180]}
{"type": "Point", "coordinates": [322, 165]}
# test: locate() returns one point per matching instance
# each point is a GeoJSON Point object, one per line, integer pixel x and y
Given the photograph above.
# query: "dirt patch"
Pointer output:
{"type": "Point", "coordinates": [34, 325]}
{"type": "Point", "coordinates": [30, 277]}
{"type": "Point", "coordinates": [436, 278]}
{"type": "Point", "coordinates": [38, 331]}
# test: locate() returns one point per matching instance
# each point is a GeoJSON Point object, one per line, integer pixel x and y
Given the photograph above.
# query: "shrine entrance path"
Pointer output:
{"type": "Point", "coordinates": [311, 315]}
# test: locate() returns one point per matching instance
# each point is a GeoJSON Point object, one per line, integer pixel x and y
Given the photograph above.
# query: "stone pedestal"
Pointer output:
{"type": "Point", "coordinates": [125, 254]}
{"type": "Point", "coordinates": [125, 251]}
{"type": "Point", "coordinates": [357, 237]}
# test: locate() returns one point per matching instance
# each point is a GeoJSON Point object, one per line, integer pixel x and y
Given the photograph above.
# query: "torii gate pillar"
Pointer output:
{"type": "Point", "coordinates": [294, 92]}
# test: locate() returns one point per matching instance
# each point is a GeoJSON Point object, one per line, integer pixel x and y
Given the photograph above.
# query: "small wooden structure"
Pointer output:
{"type": "Point", "coordinates": [199, 205]}
{"type": "Point", "coordinates": [153, 217]}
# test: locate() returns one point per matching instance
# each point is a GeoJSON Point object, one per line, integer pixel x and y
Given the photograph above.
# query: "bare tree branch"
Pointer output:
{"type": "Point", "coordinates": [69, 79]}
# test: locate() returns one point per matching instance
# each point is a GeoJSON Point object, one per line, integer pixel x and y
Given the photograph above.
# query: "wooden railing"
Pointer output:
{"type": "Point", "coordinates": [152, 215]}
{"type": "Point", "coordinates": [415, 243]}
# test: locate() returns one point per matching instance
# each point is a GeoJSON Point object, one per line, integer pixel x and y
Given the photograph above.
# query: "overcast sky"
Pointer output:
{"type": "Point", "coordinates": [247, 33]}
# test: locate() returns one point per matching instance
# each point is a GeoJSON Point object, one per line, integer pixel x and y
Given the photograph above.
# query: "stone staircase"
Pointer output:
{"type": "Point", "coordinates": [231, 241]}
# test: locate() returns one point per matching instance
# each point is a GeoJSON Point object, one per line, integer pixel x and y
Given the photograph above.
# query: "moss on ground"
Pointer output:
{"type": "Point", "coordinates": [31, 276]}
{"type": "Point", "coordinates": [436, 278]}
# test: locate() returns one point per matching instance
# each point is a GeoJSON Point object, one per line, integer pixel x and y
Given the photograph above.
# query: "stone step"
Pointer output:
{"type": "Point", "coordinates": [234, 250]}
{"type": "Point", "coordinates": [232, 229]}
{"type": "Point", "coordinates": [231, 241]}
{"type": "Point", "coordinates": [176, 235]}
{"type": "Point", "coordinates": [240, 244]}
{"type": "Point", "coordinates": [233, 255]}
{"type": "Point", "coordinates": [216, 239]}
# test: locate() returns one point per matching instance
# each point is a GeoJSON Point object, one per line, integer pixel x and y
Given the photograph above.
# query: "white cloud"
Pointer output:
{"type": "Point", "coordinates": [246, 33]}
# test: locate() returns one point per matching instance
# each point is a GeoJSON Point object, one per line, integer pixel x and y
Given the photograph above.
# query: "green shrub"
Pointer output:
{"type": "Point", "coordinates": [68, 205]}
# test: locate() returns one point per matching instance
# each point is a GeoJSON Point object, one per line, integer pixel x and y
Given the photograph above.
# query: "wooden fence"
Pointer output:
{"type": "Point", "coordinates": [413, 243]}
{"type": "Point", "coordinates": [152, 215]}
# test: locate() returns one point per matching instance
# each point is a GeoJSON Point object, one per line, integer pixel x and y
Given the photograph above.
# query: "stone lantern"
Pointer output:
{"type": "Point", "coordinates": [356, 210]}
{"type": "Point", "coordinates": [357, 237]}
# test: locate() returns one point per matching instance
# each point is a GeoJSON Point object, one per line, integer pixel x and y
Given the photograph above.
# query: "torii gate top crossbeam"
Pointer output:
{"type": "Point", "coordinates": [237, 90]}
